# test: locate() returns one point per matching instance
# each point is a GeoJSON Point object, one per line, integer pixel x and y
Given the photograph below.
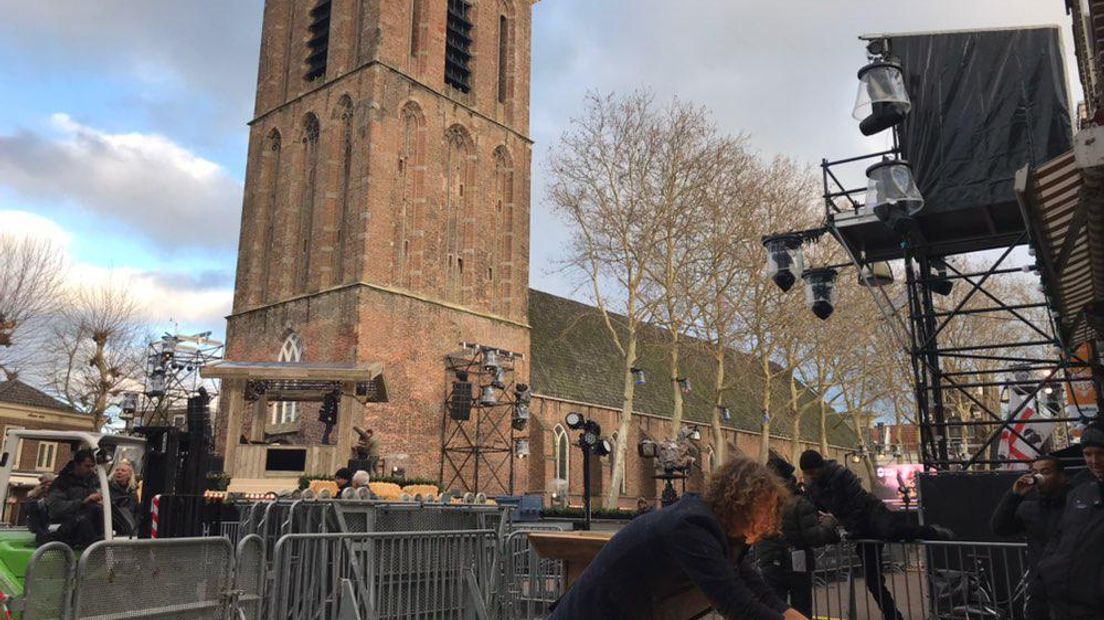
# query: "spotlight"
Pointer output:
{"type": "Point", "coordinates": [638, 376]}
{"type": "Point", "coordinates": [156, 383]}
{"type": "Point", "coordinates": [1048, 390]}
{"type": "Point", "coordinates": [522, 393]}
{"type": "Point", "coordinates": [941, 285]}
{"type": "Point", "coordinates": [891, 191]}
{"type": "Point", "coordinates": [882, 101]}
{"type": "Point", "coordinates": [694, 434]}
{"type": "Point", "coordinates": [726, 414]}
{"type": "Point", "coordinates": [500, 379]}
{"type": "Point", "coordinates": [820, 291]}
{"type": "Point", "coordinates": [574, 420]}
{"type": "Point", "coordinates": [876, 274]}
{"type": "Point", "coordinates": [488, 398]}
{"type": "Point", "coordinates": [521, 448]}
{"type": "Point", "coordinates": [590, 436]}
{"type": "Point", "coordinates": [684, 385]}
{"type": "Point", "coordinates": [603, 448]}
{"type": "Point", "coordinates": [785, 260]}
{"type": "Point", "coordinates": [490, 360]}
{"type": "Point", "coordinates": [521, 416]}
{"type": "Point", "coordinates": [647, 449]}
{"type": "Point", "coordinates": [856, 457]}
{"type": "Point", "coordinates": [130, 402]}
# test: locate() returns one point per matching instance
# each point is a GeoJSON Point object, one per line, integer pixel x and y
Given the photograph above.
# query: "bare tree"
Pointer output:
{"type": "Point", "coordinates": [31, 273]}
{"type": "Point", "coordinates": [96, 349]}
{"type": "Point", "coordinates": [619, 176]}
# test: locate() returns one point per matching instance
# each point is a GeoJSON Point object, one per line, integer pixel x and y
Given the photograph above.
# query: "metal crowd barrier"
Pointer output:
{"type": "Point", "coordinates": [437, 574]}
{"type": "Point", "coordinates": [176, 577]}
{"type": "Point", "coordinates": [528, 584]}
{"type": "Point", "coordinates": [49, 582]}
{"type": "Point", "coordinates": [249, 578]}
{"type": "Point", "coordinates": [929, 580]}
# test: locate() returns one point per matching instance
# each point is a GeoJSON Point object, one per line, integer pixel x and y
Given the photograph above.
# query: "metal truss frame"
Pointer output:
{"type": "Point", "coordinates": [478, 454]}
{"type": "Point", "coordinates": [919, 333]}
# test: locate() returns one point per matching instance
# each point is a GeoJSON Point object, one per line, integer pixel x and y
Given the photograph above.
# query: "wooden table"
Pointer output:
{"type": "Point", "coordinates": [578, 549]}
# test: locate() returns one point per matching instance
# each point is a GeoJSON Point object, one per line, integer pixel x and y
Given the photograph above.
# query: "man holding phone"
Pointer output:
{"type": "Point", "coordinates": [1033, 508]}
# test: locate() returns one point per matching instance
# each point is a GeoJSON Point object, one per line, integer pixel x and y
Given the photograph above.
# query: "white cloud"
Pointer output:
{"type": "Point", "coordinates": [194, 299]}
{"type": "Point", "coordinates": [145, 183]}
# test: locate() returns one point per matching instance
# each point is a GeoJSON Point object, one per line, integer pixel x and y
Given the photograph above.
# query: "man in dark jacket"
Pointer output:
{"type": "Point", "coordinates": [788, 561]}
{"type": "Point", "coordinates": [1033, 506]}
{"type": "Point", "coordinates": [1070, 576]}
{"type": "Point", "coordinates": [834, 489]}
{"type": "Point", "coordinates": [74, 501]}
{"type": "Point", "coordinates": [683, 545]}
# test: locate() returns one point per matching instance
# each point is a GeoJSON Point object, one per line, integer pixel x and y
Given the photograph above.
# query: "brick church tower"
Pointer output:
{"type": "Point", "coordinates": [386, 210]}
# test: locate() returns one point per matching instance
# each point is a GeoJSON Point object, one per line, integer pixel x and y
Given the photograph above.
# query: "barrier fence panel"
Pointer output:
{"type": "Point", "coordinates": [249, 577]}
{"type": "Point", "coordinates": [528, 584]}
{"type": "Point", "coordinates": [173, 578]}
{"type": "Point", "coordinates": [929, 580]}
{"type": "Point", "coordinates": [47, 592]}
{"type": "Point", "coordinates": [393, 574]}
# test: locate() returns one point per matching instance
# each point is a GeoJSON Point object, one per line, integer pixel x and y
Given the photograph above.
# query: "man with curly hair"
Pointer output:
{"type": "Point", "coordinates": [700, 540]}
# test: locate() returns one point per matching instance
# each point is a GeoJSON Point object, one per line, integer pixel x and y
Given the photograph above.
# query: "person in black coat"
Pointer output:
{"type": "Point", "coordinates": [787, 561]}
{"type": "Point", "coordinates": [697, 541]}
{"type": "Point", "coordinates": [1033, 506]}
{"type": "Point", "coordinates": [834, 489]}
{"type": "Point", "coordinates": [1069, 580]}
{"type": "Point", "coordinates": [75, 501]}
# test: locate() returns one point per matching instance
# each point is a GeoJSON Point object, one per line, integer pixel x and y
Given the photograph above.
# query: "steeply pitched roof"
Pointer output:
{"type": "Point", "coordinates": [18, 393]}
{"type": "Point", "coordinates": [574, 358]}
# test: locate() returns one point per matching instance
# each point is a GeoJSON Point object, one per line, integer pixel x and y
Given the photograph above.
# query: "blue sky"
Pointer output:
{"type": "Point", "coordinates": [123, 124]}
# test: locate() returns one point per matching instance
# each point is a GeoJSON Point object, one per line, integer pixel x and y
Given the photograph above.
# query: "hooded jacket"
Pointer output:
{"type": "Point", "coordinates": [1072, 569]}
{"type": "Point", "coordinates": [665, 551]}
{"type": "Point", "coordinates": [1034, 515]}
{"type": "Point", "coordinates": [839, 492]}
{"type": "Point", "coordinates": [801, 529]}
{"type": "Point", "coordinates": [67, 494]}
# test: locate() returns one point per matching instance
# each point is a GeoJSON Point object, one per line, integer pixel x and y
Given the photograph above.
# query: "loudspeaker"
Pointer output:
{"type": "Point", "coordinates": [460, 403]}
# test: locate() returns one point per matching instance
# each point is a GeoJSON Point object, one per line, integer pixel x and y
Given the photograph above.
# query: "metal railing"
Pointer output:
{"type": "Point", "coordinates": [48, 585]}
{"type": "Point", "coordinates": [163, 578]}
{"type": "Point", "coordinates": [446, 574]}
{"type": "Point", "coordinates": [528, 584]}
{"type": "Point", "coordinates": [923, 580]}
{"type": "Point", "coordinates": [249, 578]}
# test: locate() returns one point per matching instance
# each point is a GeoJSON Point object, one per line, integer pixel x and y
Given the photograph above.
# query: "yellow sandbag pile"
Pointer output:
{"type": "Point", "coordinates": [386, 490]}
{"type": "Point", "coordinates": [428, 492]}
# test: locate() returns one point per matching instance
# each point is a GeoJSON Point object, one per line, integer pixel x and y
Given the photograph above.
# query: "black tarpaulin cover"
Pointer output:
{"type": "Point", "coordinates": [984, 104]}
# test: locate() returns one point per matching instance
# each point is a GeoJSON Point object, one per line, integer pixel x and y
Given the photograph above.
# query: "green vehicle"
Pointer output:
{"type": "Point", "coordinates": [17, 544]}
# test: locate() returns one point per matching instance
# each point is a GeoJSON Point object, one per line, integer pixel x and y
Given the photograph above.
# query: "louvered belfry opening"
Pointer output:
{"type": "Point", "coordinates": [458, 46]}
{"type": "Point", "coordinates": [318, 45]}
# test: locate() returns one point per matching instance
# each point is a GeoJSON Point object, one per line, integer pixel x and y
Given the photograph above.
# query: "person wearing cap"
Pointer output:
{"type": "Point", "coordinates": [343, 478]}
{"type": "Point", "coordinates": [1069, 582]}
{"type": "Point", "coordinates": [787, 560]}
{"type": "Point", "coordinates": [836, 490]}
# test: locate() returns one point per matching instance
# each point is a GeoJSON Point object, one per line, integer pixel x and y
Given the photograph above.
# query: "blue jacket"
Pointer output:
{"type": "Point", "coordinates": [665, 551]}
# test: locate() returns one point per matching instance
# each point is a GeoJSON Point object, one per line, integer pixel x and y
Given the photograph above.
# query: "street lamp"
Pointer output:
{"type": "Point", "coordinates": [590, 442]}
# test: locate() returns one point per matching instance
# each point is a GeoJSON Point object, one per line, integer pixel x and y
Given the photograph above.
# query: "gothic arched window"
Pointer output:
{"type": "Point", "coordinates": [311, 134]}
{"type": "Point", "coordinates": [458, 219]}
{"type": "Point", "coordinates": [505, 51]}
{"type": "Point", "coordinates": [561, 453]}
{"type": "Point", "coordinates": [501, 296]}
{"type": "Point", "coordinates": [292, 351]}
{"type": "Point", "coordinates": [269, 211]}
{"type": "Point", "coordinates": [411, 171]}
{"type": "Point", "coordinates": [344, 115]}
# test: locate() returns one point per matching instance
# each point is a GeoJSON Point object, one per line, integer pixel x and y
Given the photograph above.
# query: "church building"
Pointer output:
{"type": "Point", "coordinates": [384, 254]}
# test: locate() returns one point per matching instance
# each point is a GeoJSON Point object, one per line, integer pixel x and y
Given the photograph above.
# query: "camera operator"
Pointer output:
{"type": "Point", "coordinates": [1069, 582]}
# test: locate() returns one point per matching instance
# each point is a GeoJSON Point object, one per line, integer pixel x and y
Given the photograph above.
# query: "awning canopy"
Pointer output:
{"type": "Point", "coordinates": [288, 376]}
{"type": "Point", "coordinates": [1064, 205]}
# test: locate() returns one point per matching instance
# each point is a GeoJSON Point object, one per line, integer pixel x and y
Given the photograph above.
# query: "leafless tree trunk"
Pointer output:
{"type": "Point", "coordinates": [97, 349]}
{"type": "Point", "coordinates": [31, 273]}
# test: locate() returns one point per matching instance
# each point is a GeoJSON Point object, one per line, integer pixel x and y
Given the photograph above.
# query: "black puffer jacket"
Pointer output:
{"type": "Point", "coordinates": [1034, 516]}
{"type": "Point", "coordinates": [839, 492]}
{"type": "Point", "coordinates": [67, 494]}
{"type": "Point", "coordinates": [801, 529]}
{"type": "Point", "coordinates": [1072, 569]}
